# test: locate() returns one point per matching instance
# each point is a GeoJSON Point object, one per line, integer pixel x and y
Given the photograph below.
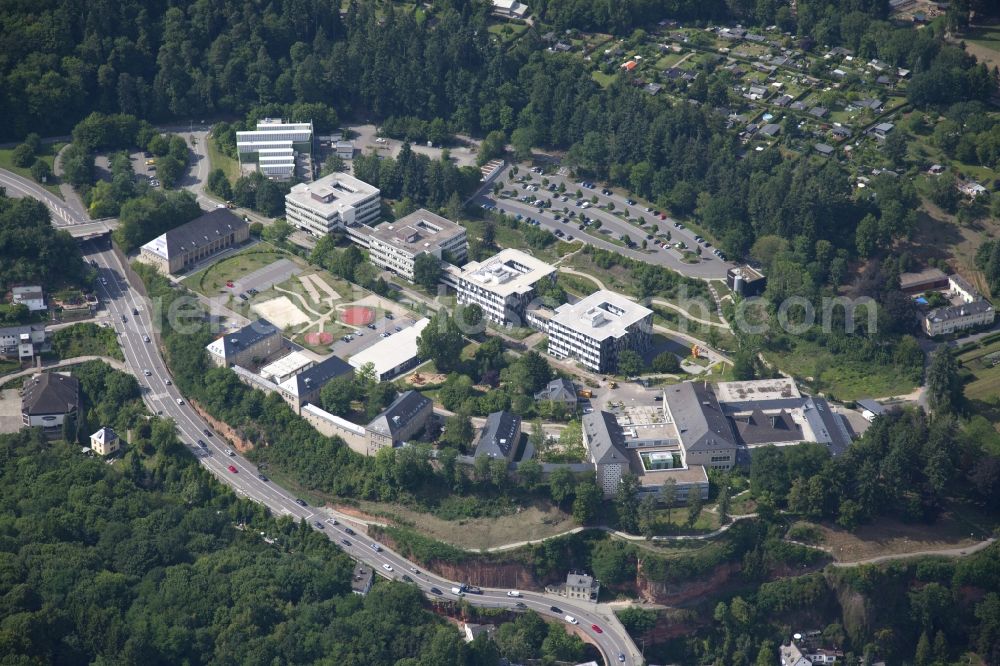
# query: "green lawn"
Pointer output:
{"type": "Point", "coordinates": [604, 80]}
{"type": "Point", "coordinates": [8, 366]}
{"type": "Point", "coordinates": [48, 155]}
{"type": "Point", "coordinates": [983, 363]}
{"type": "Point", "coordinates": [507, 32]}
{"type": "Point", "coordinates": [843, 378]}
{"type": "Point", "coordinates": [668, 60]}
{"type": "Point", "coordinates": [218, 160]}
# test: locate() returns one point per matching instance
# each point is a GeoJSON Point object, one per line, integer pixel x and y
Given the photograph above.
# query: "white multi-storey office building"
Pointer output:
{"type": "Point", "coordinates": [503, 285]}
{"type": "Point", "coordinates": [395, 245]}
{"type": "Point", "coordinates": [596, 329]}
{"type": "Point", "coordinates": [273, 146]}
{"type": "Point", "coordinates": [333, 202]}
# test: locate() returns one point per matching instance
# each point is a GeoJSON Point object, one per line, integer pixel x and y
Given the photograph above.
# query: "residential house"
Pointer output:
{"type": "Point", "coordinates": [470, 631]}
{"type": "Point", "coordinates": [783, 101]}
{"type": "Point", "coordinates": [30, 297]}
{"type": "Point", "coordinates": [203, 237]}
{"type": "Point", "coordinates": [51, 401]}
{"type": "Point", "coordinates": [824, 149]}
{"type": "Point", "coordinates": [818, 112]}
{"type": "Point", "coordinates": [104, 442]}
{"type": "Point", "coordinates": [971, 310]}
{"type": "Point", "coordinates": [559, 390]}
{"type": "Point", "coordinates": [249, 346]}
{"type": "Point", "coordinates": [971, 188]}
{"type": "Point", "coordinates": [510, 9]}
{"type": "Point", "coordinates": [404, 418]}
{"type": "Point", "coordinates": [582, 586]}
{"type": "Point", "coordinates": [500, 436]}
{"type": "Point", "coordinates": [770, 130]}
{"type": "Point", "coordinates": [23, 342]}
{"type": "Point", "coordinates": [882, 130]}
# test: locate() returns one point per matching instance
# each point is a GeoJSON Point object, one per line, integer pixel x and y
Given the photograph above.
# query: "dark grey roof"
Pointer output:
{"type": "Point", "coordinates": [832, 424]}
{"type": "Point", "coordinates": [317, 376]}
{"type": "Point", "coordinates": [824, 148]}
{"type": "Point", "coordinates": [50, 393]}
{"type": "Point", "coordinates": [700, 421]}
{"type": "Point", "coordinates": [560, 390]}
{"type": "Point", "coordinates": [202, 231]}
{"type": "Point", "coordinates": [818, 111]}
{"type": "Point", "coordinates": [500, 435]}
{"type": "Point", "coordinates": [770, 129]}
{"type": "Point", "coordinates": [248, 336]}
{"type": "Point", "coordinates": [870, 405]}
{"type": "Point", "coordinates": [760, 428]}
{"type": "Point", "coordinates": [17, 331]}
{"type": "Point", "coordinates": [397, 415]}
{"type": "Point", "coordinates": [958, 311]}
{"type": "Point", "coordinates": [605, 438]}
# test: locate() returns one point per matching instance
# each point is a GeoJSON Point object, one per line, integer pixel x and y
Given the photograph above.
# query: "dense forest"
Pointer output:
{"type": "Point", "coordinates": [150, 561]}
{"type": "Point", "coordinates": [34, 251]}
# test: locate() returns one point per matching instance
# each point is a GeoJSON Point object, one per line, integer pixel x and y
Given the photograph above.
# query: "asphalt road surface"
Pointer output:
{"type": "Point", "coordinates": [141, 356]}
{"type": "Point", "coordinates": [16, 186]}
{"type": "Point", "coordinates": [710, 267]}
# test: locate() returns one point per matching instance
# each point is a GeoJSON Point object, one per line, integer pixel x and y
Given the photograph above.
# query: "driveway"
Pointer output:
{"type": "Point", "coordinates": [364, 143]}
{"type": "Point", "coordinates": [365, 337]}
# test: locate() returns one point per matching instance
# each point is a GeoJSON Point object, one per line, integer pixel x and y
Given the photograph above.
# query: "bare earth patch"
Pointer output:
{"type": "Point", "coordinates": [530, 524]}
{"type": "Point", "coordinates": [891, 537]}
{"type": "Point", "coordinates": [281, 312]}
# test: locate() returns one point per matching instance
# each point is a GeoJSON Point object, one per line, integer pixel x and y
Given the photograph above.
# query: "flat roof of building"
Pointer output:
{"type": "Point", "coordinates": [391, 352]}
{"type": "Point", "coordinates": [603, 314]}
{"type": "Point", "coordinates": [758, 389]}
{"type": "Point", "coordinates": [507, 272]}
{"type": "Point", "coordinates": [286, 365]}
{"type": "Point", "coordinates": [928, 276]}
{"type": "Point", "coordinates": [332, 193]}
{"type": "Point", "coordinates": [420, 231]}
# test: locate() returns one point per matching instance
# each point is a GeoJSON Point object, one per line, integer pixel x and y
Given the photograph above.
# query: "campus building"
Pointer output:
{"type": "Point", "coordinates": [305, 386]}
{"type": "Point", "coordinates": [274, 146]}
{"type": "Point", "coordinates": [50, 400]}
{"type": "Point", "coordinates": [395, 246]}
{"type": "Point", "coordinates": [503, 286]}
{"type": "Point", "coordinates": [596, 329]}
{"type": "Point", "coordinates": [510, 9]}
{"type": "Point", "coordinates": [404, 418]}
{"type": "Point", "coordinates": [247, 347]}
{"type": "Point", "coordinates": [393, 355]}
{"type": "Point", "coordinates": [335, 202]}
{"type": "Point", "coordinates": [205, 236]}
{"type": "Point", "coordinates": [745, 281]}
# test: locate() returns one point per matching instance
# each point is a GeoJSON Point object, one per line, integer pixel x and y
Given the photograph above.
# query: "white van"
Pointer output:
{"type": "Point", "coordinates": [457, 590]}
{"type": "Point", "coordinates": [514, 593]}
{"type": "Point", "coordinates": [179, 401]}
{"type": "Point", "coordinates": [571, 619]}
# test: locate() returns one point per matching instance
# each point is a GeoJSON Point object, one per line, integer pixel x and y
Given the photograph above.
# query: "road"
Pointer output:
{"type": "Point", "coordinates": [121, 300]}
{"type": "Point", "coordinates": [709, 268]}
{"type": "Point", "coordinates": [16, 186]}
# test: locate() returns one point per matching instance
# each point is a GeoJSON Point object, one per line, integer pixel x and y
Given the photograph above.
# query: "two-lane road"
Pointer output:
{"type": "Point", "coordinates": [162, 397]}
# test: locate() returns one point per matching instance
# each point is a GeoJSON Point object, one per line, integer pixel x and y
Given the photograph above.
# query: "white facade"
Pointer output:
{"type": "Point", "coordinates": [21, 341]}
{"type": "Point", "coordinates": [596, 329]}
{"type": "Point", "coordinates": [331, 203]}
{"type": "Point", "coordinates": [392, 355]}
{"type": "Point", "coordinates": [395, 246]}
{"type": "Point", "coordinates": [503, 285]}
{"type": "Point", "coordinates": [30, 297]}
{"type": "Point", "coordinates": [273, 146]}
{"type": "Point", "coordinates": [104, 442]}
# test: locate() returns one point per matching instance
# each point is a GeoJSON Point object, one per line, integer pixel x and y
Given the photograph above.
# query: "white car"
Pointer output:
{"type": "Point", "coordinates": [229, 452]}
{"type": "Point", "coordinates": [387, 567]}
{"type": "Point", "coordinates": [147, 373]}
{"type": "Point", "coordinates": [514, 593]}
{"type": "Point", "coordinates": [571, 619]}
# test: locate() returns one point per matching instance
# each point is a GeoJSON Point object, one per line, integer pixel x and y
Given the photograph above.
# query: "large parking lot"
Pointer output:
{"type": "Point", "coordinates": [366, 336]}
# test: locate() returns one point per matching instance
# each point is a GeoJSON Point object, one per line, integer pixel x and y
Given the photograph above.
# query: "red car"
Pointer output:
{"type": "Point", "coordinates": [597, 629]}
{"type": "Point", "coordinates": [232, 469]}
